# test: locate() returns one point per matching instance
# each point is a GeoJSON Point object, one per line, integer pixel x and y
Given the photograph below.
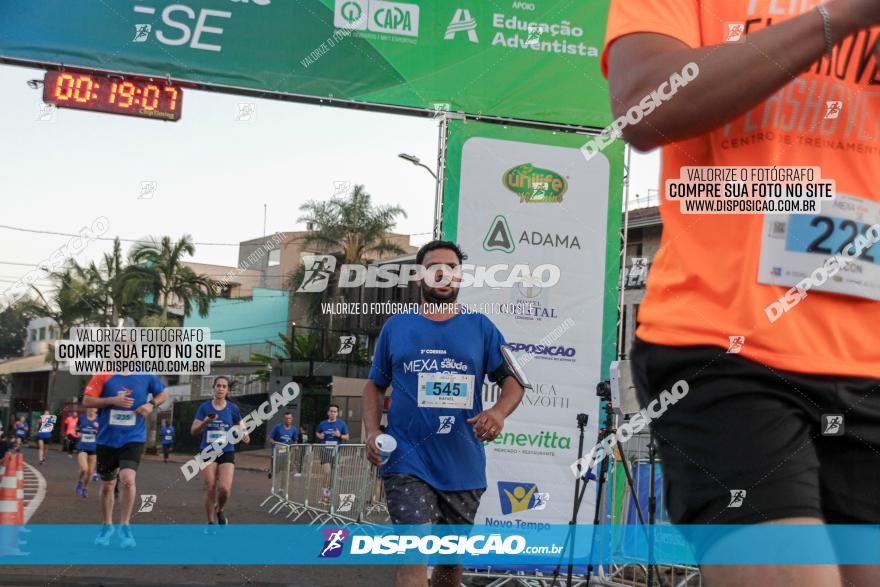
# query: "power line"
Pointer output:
{"type": "Point", "coordinates": [103, 238]}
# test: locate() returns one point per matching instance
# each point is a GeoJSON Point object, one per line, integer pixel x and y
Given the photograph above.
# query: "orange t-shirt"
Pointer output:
{"type": "Point", "coordinates": [703, 286]}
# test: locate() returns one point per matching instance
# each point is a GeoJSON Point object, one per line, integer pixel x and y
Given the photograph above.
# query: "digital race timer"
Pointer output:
{"type": "Point", "coordinates": [117, 94]}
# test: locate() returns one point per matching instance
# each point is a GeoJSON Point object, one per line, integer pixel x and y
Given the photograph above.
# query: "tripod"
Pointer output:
{"type": "Point", "coordinates": [608, 429]}
{"type": "Point", "coordinates": [579, 491]}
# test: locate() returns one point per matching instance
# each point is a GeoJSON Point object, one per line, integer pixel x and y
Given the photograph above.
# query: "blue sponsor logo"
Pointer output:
{"type": "Point", "coordinates": [540, 349]}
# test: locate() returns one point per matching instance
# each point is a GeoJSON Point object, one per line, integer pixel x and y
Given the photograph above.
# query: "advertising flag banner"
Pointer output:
{"type": "Point", "coordinates": [528, 196]}
{"type": "Point", "coordinates": [536, 60]}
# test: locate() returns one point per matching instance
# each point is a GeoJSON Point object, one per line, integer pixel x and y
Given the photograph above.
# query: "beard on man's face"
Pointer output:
{"type": "Point", "coordinates": [433, 296]}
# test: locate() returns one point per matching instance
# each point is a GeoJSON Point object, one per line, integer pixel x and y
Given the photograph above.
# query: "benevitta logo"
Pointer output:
{"type": "Point", "coordinates": [446, 424]}
{"type": "Point", "coordinates": [380, 16]}
{"type": "Point", "coordinates": [534, 184]}
{"type": "Point", "coordinates": [334, 541]}
{"type": "Point", "coordinates": [319, 268]}
{"type": "Point", "coordinates": [518, 497]}
{"type": "Point", "coordinates": [462, 21]}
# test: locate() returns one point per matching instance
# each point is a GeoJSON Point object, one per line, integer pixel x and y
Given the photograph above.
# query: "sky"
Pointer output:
{"type": "Point", "coordinates": [212, 174]}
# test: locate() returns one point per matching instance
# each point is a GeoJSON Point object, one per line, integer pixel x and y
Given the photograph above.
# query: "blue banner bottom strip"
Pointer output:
{"type": "Point", "coordinates": [477, 546]}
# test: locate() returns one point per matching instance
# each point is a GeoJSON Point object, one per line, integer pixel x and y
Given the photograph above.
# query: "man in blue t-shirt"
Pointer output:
{"type": "Point", "coordinates": [285, 433]}
{"type": "Point", "coordinates": [435, 361]}
{"type": "Point", "coordinates": [331, 433]}
{"type": "Point", "coordinates": [123, 401]}
{"type": "Point", "coordinates": [166, 433]}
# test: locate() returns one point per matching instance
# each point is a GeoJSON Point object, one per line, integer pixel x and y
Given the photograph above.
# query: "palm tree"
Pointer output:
{"type": "Point", "coordinates": [159, 268]}
{"type": "Point", "coordinates": [71, 303]}
{"type": "Point", "coordinates": [116, 286]}
{"type": "Point", "coordinates": [352, 227]}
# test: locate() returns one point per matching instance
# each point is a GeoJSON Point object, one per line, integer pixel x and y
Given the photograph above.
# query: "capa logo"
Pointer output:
{"type": "Point", "coordinates": [534, 184]}
{"type": "Point", "coordinates": [334, 539]}
{"type": "Point", "coordinates": [392, 17]}
{"type": "Point", "coordinates": [381, 16]}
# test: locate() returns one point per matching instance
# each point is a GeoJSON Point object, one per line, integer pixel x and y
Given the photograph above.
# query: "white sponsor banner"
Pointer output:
{"type": "Point", "coordinates": [531, 203]}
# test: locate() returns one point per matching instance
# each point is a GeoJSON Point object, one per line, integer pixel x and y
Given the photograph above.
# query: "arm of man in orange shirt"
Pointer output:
{"type": "Point", "coordinates": [768, 60]}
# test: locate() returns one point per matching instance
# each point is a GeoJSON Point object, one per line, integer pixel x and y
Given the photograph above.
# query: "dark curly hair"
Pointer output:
{"type": "Point", "coordinates": [435, 245]}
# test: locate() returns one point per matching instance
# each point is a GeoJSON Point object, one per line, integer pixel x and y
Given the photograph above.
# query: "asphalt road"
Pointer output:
{"type": "Point", "coordinates": [177, 502]}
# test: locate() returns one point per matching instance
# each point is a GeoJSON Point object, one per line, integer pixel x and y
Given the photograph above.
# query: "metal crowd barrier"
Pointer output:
{"type": "Point", "coordinates": [321, 484]}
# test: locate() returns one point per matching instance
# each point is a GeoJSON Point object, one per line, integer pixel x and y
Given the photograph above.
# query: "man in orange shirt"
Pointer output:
{"type": "Point", "coordinates": [70, 434]}
{"type": "Point", "coordinates": [781, 422]}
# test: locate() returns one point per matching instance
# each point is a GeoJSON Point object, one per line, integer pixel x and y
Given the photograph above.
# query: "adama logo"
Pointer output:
{"type": "Point", "coordinates": [533, 184]}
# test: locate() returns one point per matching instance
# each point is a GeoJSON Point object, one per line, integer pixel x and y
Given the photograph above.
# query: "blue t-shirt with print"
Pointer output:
{"type": "Point", "coordinates": [167, 435]}
{"type": "Point", "coordinates": [120, 426]}
{"type": "Point", "coordinates": [329, 429]}
{"type": "Point", "coordinates": [220, 426]}
{"type": "Point", "coordinates": [437, 369]}
{"type": "Point", "coordinates": [88, 433]}
{"type": "Point", "coordinates": [284, 435]}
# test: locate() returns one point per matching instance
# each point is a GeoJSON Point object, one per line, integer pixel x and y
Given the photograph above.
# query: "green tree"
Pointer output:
{"type": "Point", "coordinates": [351, 227]}
{"type": "Point", "coordinates": [116, 290]}
{"type": "Point", "coordinates": [159, 270]}
{"type": "Point", "coordinates": [69, 304]}
{"type": "Point", "coordinates": [13, 327]}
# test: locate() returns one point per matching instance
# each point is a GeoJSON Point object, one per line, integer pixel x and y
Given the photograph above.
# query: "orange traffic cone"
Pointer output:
{"type": "Point", "coordinates": [19, 494]}
{"type": "Point", "coordinates": [9, 509]}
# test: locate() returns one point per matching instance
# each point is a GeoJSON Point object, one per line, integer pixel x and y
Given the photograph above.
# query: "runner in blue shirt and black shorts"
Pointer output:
{"type": "Point", "coordinates": [331, 433]}
{"type": "Point", "coordinates": [436, 360]}
{"type": "Point", "coordinates": [167, 435]}
{"type": "Point", "coordinates": [87, 445]}
{"type": "Point", "coordinates": [123, 402]}
{"type": "Point", "coordinates": [44, 434]}
{"type": "Point", "coordinates": [214, 423]}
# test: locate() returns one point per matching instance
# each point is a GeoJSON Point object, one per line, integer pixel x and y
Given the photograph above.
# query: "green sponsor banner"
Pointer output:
{"type": "Point", "coordinates": [536, 60]}
{"type": "Point", "coordinates": [534, 212]}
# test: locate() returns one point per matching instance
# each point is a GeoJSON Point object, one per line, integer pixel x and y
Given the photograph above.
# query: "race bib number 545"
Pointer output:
{"type": "Point", "coordinates": [446, 390]}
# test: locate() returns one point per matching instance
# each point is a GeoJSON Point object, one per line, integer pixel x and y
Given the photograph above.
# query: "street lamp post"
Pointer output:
{"type": "Point", "coordinates": [437, 192]}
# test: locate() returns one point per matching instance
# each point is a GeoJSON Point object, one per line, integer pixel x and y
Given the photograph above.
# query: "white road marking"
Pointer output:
{"type": "Point", "coordinates": [31, 506]}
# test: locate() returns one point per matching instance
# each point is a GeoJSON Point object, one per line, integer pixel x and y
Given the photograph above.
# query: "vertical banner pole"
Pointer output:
{"type": "Point", "coordinates": [441, 176]}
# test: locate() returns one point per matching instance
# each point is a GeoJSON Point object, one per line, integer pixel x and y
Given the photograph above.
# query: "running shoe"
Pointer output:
{"type": "Point", "coordinates": [103, 538]}
{"type": "Point", "coordinates": [94, 476]}
{"type": "Point", "coordinates": [79, 487]}
{"type": "Point", "coordinates": [221, 519]}
{"type": "Point", "coordinates": [127, 538]}
{"type": "Point", "coordinates": [84, 492]}
{"type": "Point", "coordinates": [297, 474]}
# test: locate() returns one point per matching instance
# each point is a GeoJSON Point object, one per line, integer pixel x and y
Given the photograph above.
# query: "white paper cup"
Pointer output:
{"type": "Point", "coordinates": [386, 445]}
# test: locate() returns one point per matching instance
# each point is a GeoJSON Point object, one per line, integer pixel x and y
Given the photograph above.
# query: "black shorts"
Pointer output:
{"type": "Point", "coordinates": [327, 453]}
{"type": "Point", "coordinates": [110, 460]}
{"type": "Point", "coordinates": [88, 452]}
{"type": "Point", "coordinates": [749, 443]}
{"type": "Point", "coordinates": [225, 458]}
{"type": "Point", "coordinates": [412, 501]}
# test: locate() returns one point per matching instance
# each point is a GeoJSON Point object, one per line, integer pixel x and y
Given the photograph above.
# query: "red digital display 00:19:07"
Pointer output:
{"type": "Point", "coordinates": [116, 94]}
